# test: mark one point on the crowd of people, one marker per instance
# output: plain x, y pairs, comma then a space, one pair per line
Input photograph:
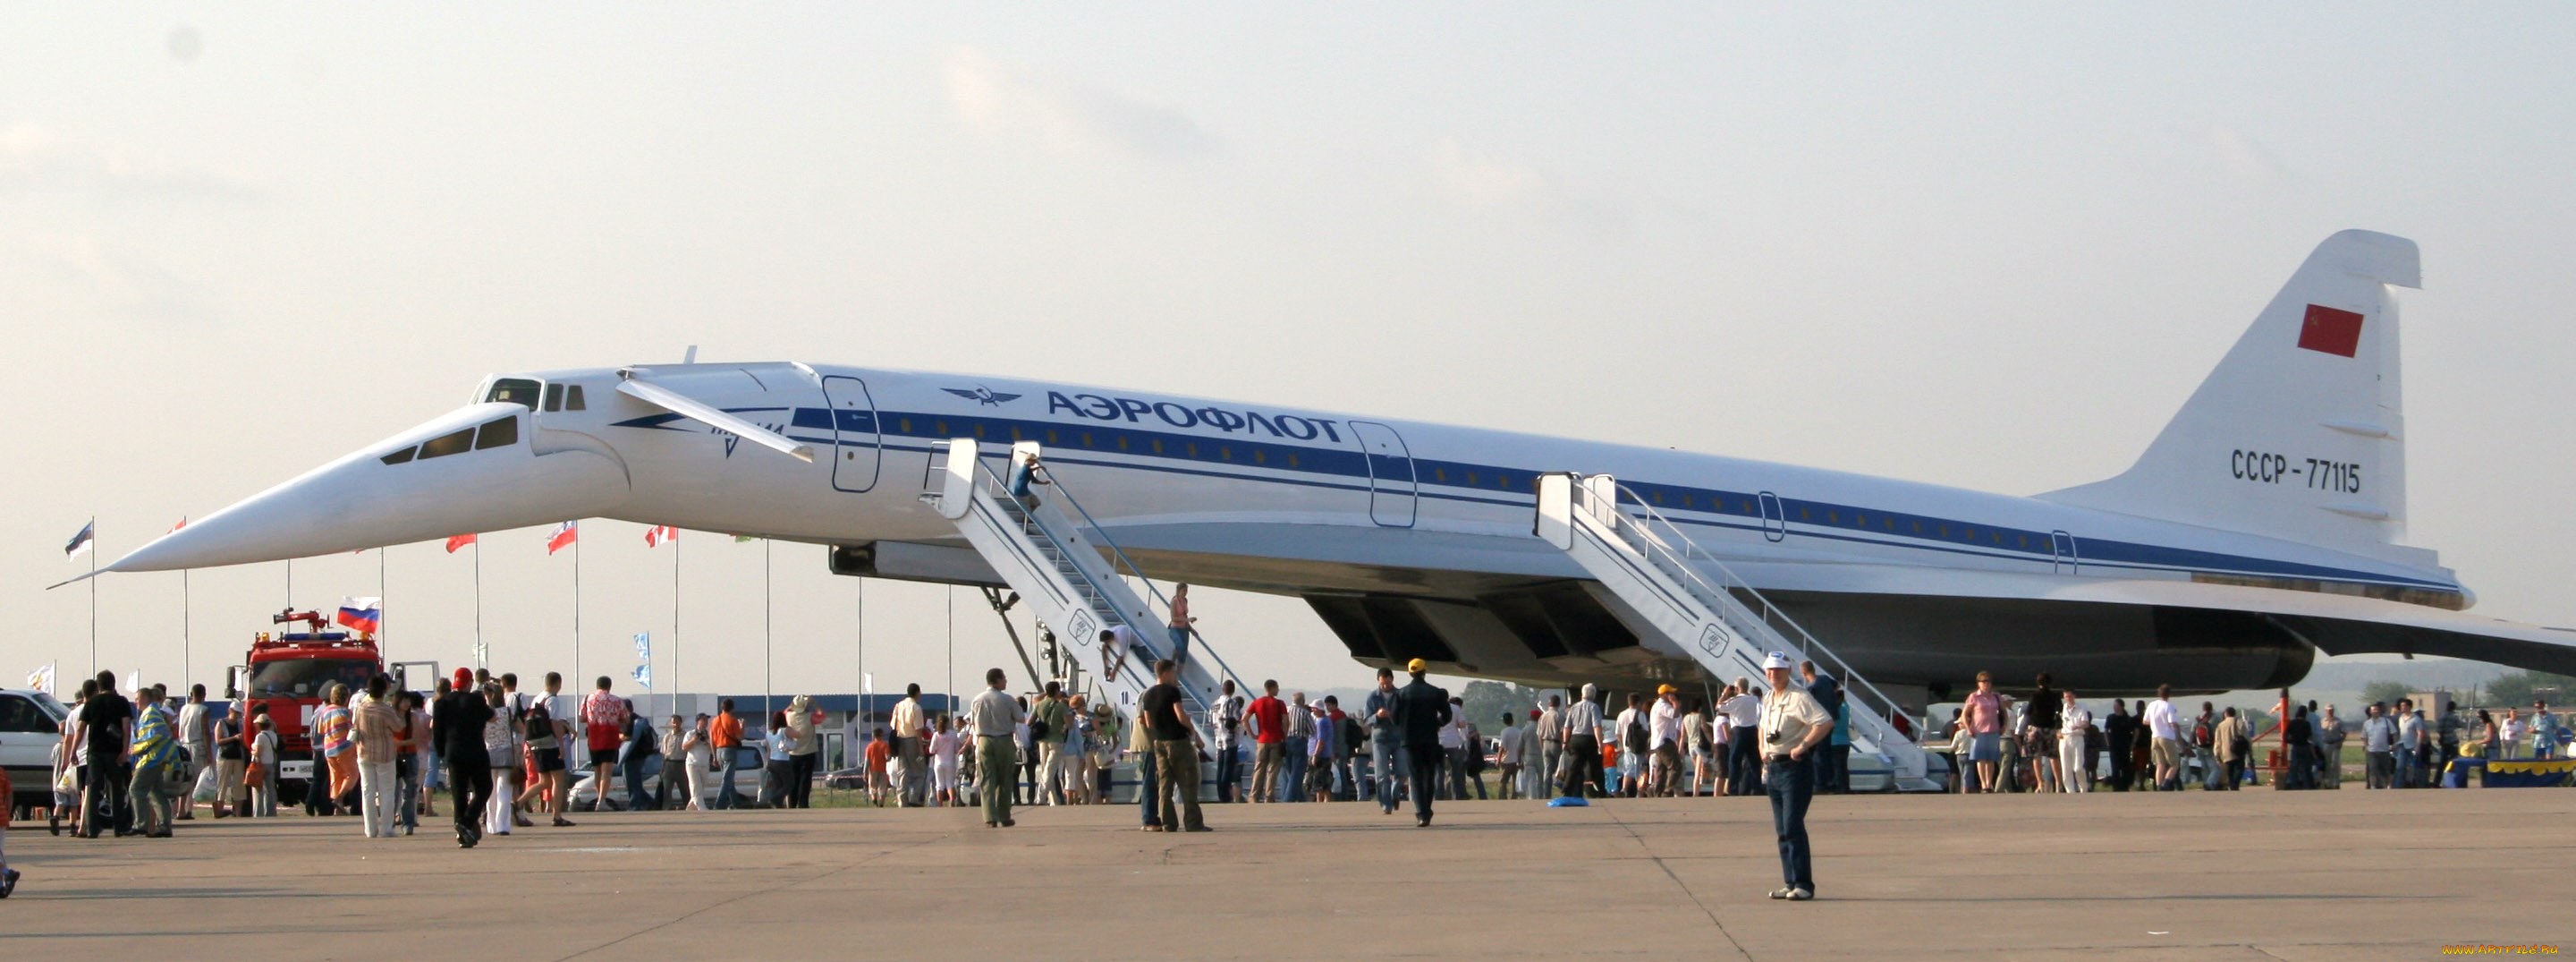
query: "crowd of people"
137, 766
2049, 743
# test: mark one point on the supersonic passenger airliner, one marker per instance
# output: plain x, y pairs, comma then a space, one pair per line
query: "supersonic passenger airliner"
2261, 527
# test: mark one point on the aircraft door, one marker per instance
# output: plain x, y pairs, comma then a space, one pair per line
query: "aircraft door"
1392, 485
1775, 526
2062, 545
856, 444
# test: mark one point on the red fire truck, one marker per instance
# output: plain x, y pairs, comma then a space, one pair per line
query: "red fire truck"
289, 673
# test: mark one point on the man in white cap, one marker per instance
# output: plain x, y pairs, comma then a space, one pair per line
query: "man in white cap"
1792, 724
1580, 732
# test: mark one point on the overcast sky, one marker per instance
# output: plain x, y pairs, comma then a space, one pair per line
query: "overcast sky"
1993, 249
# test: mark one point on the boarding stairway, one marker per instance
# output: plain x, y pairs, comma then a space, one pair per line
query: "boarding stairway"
1069, 570
1703, 611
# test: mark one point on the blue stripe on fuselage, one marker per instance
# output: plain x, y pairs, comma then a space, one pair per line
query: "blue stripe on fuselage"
1514, 487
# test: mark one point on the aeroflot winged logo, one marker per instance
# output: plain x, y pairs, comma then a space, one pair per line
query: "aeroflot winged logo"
982, 395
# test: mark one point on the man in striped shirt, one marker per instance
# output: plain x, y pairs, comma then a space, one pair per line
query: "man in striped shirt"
155, 749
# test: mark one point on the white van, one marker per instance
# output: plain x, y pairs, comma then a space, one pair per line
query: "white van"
31, 723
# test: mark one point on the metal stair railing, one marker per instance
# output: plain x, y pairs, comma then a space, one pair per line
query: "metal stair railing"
1038, 527
1654, 536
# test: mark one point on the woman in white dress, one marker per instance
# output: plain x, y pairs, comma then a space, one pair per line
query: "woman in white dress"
944, 745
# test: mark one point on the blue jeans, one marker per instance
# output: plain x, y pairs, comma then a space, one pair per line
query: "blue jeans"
1292, 784
1149, 815
1791, 785
1390, 762
634, 768
1344, 786
726, 797
1229, 773
407, 778
1180, 645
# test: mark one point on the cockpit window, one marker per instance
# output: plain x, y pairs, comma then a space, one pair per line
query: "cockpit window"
572, 399
515, 390
453, 442
501, 433
401, 456
554, 397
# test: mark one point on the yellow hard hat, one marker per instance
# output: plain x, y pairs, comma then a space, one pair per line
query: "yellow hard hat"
1417, 666
1665, 689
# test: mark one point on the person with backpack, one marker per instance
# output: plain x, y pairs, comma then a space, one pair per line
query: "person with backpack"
501, 748
2234, 745
101, 727
643, 750
1633, 744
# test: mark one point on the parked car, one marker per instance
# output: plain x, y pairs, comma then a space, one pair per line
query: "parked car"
31, 722
746, 781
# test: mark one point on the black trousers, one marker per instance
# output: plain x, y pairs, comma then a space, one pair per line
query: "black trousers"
469, 789
1744, 777
1582, 765
110, 808
800, 791
1427, 761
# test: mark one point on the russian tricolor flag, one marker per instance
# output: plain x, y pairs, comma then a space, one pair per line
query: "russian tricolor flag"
564, 536
362, 614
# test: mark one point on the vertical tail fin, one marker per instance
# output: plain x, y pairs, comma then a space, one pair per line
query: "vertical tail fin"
2298, 434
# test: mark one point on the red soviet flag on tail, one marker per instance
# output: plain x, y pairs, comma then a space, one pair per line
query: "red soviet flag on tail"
2331, 331
655, 535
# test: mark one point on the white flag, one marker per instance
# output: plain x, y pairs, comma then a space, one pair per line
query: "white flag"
42, 679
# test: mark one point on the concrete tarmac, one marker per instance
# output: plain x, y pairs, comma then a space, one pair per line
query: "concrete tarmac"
2206, 876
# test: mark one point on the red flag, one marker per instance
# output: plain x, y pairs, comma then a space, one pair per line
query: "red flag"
459, 541
654, 536
183, 522
564, 535
2330, 331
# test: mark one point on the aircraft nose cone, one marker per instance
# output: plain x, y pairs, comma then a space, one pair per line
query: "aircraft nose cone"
474, 469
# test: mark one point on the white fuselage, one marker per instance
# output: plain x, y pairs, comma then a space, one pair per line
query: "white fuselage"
1914, 584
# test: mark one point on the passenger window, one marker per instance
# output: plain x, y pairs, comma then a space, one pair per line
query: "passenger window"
554, 397
446, 444
572, 399
401, 456
515, 390
498, 434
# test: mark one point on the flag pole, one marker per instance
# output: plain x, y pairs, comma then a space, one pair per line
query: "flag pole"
381, 647
482, 655
576, 606
187, 643
767, 697
675, 604
93, 598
